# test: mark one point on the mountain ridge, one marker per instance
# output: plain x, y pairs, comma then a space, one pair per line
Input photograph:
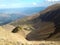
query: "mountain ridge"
42, 25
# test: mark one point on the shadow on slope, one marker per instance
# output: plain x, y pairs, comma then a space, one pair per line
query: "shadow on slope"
47, 25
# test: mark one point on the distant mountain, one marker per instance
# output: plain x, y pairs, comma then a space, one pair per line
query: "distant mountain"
7, 18
26, 10
8, 15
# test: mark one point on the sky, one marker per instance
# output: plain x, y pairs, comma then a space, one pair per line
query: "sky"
25, 3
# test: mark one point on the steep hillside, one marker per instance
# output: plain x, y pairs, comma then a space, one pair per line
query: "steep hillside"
44, 24
47, 24
40, 29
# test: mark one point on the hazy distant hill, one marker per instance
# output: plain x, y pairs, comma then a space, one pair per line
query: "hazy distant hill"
8, 15
26, 10
7, 18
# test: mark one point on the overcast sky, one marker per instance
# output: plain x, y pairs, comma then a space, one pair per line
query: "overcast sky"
25, 3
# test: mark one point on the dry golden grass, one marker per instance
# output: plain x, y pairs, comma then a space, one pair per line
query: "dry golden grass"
8, 38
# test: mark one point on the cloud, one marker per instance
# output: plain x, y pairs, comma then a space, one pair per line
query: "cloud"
3, 5
15, 5
34, 3
52, 0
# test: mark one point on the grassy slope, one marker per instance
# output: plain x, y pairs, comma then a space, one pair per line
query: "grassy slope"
19, 21
8, 38
55, 40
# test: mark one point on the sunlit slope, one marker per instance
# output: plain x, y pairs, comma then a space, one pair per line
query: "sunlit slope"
9, 38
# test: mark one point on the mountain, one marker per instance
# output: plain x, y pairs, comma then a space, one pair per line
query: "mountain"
25, 10
11, 14
47, 23
7, 18
42, 25
41, 28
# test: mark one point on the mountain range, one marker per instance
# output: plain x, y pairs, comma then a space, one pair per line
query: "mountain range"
43, 24
40, 28
9, 15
